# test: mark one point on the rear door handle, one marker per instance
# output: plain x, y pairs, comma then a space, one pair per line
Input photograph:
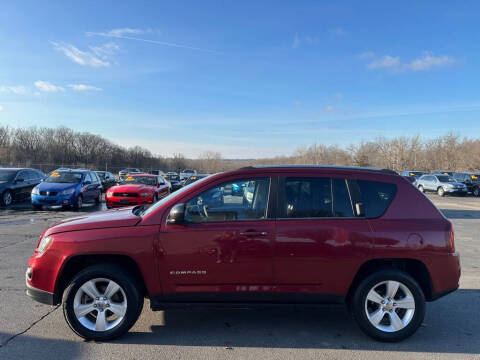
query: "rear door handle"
253, 233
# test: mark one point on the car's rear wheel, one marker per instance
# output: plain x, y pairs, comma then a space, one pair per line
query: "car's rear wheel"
102, 302
440, 191
420, 187
98, 200
7, 198
389, 305
476, 191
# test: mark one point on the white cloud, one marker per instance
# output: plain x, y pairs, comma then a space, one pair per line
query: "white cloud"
426, 61
85, 58
18, 90
105, 51
119, 32
1, 108
83, 87
385, 62
45, 86
328, 108
338, 31
299, 40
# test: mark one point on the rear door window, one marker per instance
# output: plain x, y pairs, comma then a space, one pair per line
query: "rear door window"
342, 205
305, 197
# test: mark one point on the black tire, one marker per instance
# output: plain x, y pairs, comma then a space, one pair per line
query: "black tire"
359, 307
155, 199
440, 191
7, 198
79, 203
476, 191
112, 272
98, 200
37, 207
421, 189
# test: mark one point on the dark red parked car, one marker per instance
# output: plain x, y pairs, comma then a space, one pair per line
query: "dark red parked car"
295, 235
137, 189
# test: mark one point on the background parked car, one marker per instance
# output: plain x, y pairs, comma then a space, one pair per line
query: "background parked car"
107, 178
157, 172
174, 180
123, 173
441, 184
137, 189
443, 172
67, 188
185, 174
16, 184
412, 173
194, 178
471, 180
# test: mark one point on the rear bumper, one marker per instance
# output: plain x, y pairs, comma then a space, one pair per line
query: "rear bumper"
41, 296
445, 272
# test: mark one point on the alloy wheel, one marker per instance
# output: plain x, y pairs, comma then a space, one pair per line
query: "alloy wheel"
7, 198
100, 304
390, 306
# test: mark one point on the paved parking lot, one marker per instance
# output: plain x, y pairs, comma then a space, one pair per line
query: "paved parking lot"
30, 330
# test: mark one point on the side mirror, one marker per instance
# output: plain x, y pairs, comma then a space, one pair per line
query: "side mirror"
177, 214
359, 209
18, 180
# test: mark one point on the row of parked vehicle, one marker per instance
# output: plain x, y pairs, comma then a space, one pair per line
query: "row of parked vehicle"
445, 182
73, 187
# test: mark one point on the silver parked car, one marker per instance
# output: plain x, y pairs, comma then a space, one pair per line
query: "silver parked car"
441, 184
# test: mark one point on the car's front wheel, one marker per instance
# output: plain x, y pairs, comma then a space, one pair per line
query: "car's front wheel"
441, 191
420, 187
102, 302
389, 305
476, 191
7, 198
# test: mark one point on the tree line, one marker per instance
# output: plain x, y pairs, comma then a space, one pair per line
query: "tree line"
50, 148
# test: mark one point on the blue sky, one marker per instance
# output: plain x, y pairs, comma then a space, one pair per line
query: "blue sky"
246, 78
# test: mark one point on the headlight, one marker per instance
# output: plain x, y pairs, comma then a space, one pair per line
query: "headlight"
45, 243
68, 192
35, 191
449, 186
109, 193
144, 194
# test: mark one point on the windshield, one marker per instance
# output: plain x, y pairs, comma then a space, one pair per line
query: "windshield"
169, 197
188, 171
146, 180
416, 173
445, 179
7, 175
173, 177
66, 177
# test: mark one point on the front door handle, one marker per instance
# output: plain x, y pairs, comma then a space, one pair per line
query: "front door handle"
253, 233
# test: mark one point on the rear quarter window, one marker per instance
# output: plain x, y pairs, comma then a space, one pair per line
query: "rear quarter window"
375, 196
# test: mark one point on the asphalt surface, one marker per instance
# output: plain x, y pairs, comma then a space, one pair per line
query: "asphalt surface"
28, 330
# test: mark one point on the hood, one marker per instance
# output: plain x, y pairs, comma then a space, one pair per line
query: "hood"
454, 183
131, 188
46, 186
99, 220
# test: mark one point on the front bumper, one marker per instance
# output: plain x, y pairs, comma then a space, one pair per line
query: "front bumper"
41, 296
115, 201
53, 200
456, 190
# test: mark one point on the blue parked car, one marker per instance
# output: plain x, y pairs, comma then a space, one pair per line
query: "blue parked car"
67, 188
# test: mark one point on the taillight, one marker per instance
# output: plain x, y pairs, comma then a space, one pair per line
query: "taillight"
451, 242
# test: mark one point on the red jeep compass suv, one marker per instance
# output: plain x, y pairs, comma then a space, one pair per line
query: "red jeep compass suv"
258, 235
